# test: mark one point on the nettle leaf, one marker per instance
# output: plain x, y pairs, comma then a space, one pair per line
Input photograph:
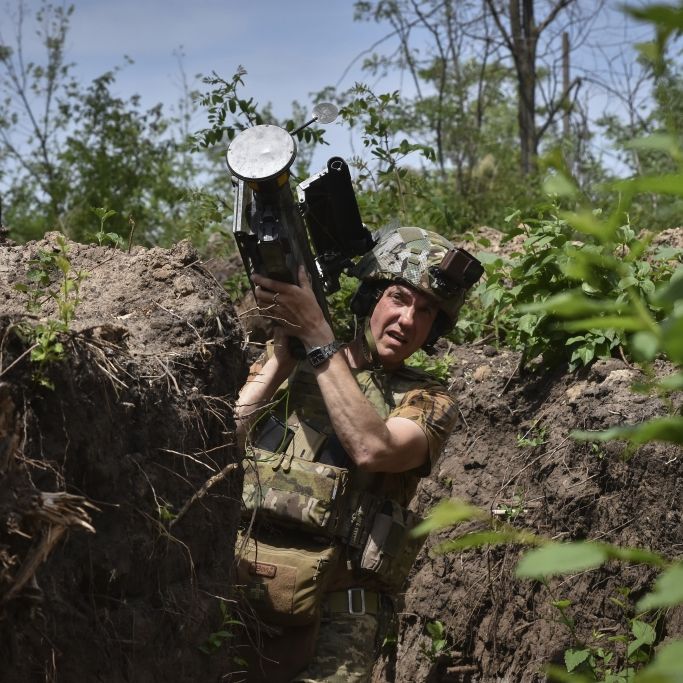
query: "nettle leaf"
574, 658
667, 592
672, 338
447, 513
648, 287
528, 323
661, 184
667, 665
479, 539
587, 222
669, 429
572, 303
634, 555
435, 629
672, 292
605, 322
629, 281
487, 258
667, 254
556, 559
644, 345
644, 635
62, 263
585, 354
559, 184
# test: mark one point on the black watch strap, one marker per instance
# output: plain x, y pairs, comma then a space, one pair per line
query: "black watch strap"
319, 354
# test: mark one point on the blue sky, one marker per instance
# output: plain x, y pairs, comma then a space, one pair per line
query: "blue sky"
290, 49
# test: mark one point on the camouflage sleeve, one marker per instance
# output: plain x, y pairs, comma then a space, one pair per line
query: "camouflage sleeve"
435, 411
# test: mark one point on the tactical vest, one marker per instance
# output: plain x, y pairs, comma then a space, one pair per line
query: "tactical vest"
298, 477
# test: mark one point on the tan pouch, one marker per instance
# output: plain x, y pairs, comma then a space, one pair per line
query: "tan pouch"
285, 585
390, 551
293, 491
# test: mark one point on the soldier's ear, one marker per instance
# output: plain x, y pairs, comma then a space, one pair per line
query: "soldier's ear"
365, 298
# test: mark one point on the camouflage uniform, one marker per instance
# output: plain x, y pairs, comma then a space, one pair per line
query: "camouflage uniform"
342, 646
344, 637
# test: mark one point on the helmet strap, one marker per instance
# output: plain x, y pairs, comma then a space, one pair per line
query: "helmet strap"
369, 346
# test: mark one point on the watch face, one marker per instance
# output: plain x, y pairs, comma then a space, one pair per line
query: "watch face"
318, 355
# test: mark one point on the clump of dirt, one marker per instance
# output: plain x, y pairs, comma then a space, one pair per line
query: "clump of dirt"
512, 455
119, 484
119, 489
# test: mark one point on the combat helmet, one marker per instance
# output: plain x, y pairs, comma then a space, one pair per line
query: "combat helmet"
423, 260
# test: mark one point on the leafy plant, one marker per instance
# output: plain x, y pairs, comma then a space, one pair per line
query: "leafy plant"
438, 640
228, 113
218, 638
439, 365
103, 237
608, 658
523, 293
551, 558
63, 290
533, 437
387, 183
237, 285
339, 303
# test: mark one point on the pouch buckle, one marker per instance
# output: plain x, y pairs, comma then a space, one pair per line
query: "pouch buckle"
361, 592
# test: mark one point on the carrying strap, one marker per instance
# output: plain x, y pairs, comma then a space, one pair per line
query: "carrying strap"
370, 346
355, 601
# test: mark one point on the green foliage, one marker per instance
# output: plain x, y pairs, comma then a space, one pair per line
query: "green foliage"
595, 660
103, 237
217, 639
534, 437
228, 113
563, 270
387, 184
608, 658
50, 277
122, 157
439, 365
438, 640
237, 286
339, 304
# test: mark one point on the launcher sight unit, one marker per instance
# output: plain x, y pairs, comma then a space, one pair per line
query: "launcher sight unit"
275, 233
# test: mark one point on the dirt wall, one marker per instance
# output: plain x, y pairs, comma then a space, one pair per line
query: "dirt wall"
118, 481
512, 455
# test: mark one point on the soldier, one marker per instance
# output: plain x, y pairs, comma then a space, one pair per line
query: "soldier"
340, 441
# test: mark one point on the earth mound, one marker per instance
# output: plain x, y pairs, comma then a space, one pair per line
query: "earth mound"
119, 483
513, 456
120, 489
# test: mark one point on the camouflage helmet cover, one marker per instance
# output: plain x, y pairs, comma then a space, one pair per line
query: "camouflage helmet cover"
408, 254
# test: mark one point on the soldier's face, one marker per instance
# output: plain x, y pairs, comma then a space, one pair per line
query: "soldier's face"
400, 323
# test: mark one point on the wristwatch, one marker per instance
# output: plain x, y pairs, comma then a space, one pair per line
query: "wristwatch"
319, 354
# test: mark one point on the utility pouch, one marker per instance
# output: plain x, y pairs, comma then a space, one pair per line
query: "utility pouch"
294, 492
390, 551
285, 585
273, 435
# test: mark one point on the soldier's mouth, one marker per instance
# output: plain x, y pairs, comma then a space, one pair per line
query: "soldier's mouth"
396, 336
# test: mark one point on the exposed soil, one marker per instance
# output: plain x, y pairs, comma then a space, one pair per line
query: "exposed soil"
138, 425
505, 629
139, 422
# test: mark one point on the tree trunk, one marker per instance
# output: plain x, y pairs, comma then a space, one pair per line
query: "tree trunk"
524, 40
